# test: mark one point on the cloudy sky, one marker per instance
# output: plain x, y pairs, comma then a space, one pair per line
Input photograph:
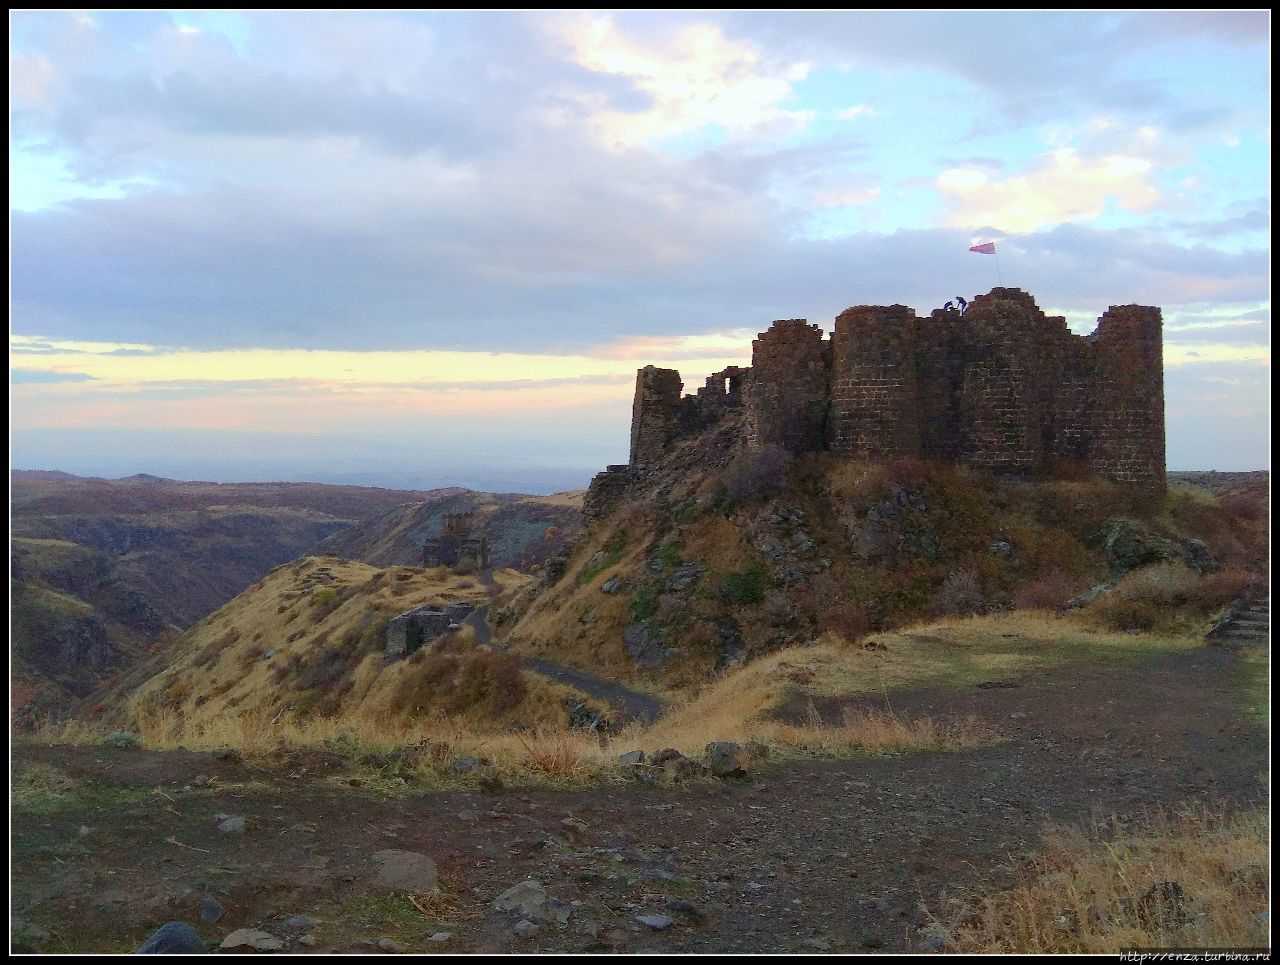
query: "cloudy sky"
428, 249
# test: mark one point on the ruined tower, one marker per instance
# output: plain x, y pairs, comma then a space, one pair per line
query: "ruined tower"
1002, 387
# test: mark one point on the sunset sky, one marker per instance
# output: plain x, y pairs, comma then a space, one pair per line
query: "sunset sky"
424, 250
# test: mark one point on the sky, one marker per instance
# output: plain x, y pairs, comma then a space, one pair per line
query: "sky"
432, 249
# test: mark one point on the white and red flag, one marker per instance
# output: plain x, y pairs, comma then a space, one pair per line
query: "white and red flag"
987, 248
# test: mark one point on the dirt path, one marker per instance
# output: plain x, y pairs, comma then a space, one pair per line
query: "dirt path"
819, 855
628, 704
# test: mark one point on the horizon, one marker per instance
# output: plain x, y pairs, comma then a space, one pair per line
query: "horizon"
430, 246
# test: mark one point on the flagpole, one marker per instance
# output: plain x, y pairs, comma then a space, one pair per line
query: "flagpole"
999, 276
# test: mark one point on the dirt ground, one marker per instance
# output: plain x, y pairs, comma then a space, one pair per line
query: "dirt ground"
820, 855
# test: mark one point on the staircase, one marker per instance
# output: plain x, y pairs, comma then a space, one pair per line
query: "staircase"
1248, 622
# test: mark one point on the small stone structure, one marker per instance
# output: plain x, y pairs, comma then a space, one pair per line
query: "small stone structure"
414, 628
1002, 387
457, 546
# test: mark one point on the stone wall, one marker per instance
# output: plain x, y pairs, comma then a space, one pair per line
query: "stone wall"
789, 390
1002, 387
655, 414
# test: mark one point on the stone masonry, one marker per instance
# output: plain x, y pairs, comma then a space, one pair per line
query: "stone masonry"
1002, 387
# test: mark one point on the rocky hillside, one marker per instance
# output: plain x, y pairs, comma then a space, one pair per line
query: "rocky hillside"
523, 531
715, 555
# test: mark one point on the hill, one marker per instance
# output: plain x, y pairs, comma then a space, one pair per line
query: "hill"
523, 531
309, 641
717, 554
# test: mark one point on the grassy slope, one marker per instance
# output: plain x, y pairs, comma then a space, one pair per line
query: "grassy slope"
308, 640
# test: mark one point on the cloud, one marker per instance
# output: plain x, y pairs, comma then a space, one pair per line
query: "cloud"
693, 79
38, 377
1058, 187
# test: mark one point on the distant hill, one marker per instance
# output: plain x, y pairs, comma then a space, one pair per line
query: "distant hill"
103, 570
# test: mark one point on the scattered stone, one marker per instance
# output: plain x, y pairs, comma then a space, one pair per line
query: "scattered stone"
307, 941
682, 906
405, 871
301, 922
465, 765
252, 938
227, 754
84, 831
727, 759
211, 910
656, 922
821, 944
231, 824
390, 947
631, 758
525, 928
674, 766
173, 938
612, 585
529, 898
440, 936
588, 928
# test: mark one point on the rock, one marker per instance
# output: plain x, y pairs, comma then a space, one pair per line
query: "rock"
821, 944
307, 941
231, 824
656, 922
612, 585
1002, 548
583, 717
727, 759
440, 936
390, 947
211, 910
631, 758
685, 576
529, 898
301, 922
756, 751
173, 938
645, 645
252, 938
405, 871
673, 766
1130, 545
525, 928
26, 937
465, 765
682, 906
1197, 556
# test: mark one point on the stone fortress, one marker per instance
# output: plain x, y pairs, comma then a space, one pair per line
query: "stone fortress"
1000, 387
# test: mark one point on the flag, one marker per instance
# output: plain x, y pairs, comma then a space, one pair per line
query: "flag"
988, 248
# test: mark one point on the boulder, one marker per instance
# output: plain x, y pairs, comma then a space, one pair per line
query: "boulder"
173, 938
260, 941
404, 871
727, 759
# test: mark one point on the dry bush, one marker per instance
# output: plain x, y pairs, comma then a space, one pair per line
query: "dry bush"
1168, 597
1048, 591
848, 621
1197, 880
453, 679
959, 595
560, 755
882, 732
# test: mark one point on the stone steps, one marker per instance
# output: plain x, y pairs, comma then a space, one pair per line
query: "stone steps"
1249, 624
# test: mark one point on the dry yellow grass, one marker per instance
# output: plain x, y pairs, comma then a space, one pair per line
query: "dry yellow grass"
1196, 880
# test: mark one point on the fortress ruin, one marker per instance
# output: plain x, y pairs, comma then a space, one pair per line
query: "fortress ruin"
457, 546
1001, 387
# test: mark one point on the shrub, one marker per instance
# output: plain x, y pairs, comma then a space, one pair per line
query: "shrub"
847, 621
455, 679
960, 594
644, 599
1048, 591
122, 738
743, 587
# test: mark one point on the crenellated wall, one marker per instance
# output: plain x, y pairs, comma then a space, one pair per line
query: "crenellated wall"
1002, 387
